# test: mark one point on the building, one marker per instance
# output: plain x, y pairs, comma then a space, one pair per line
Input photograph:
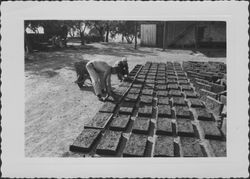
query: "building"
184, 34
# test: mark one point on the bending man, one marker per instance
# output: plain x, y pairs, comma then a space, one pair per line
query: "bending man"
100, 74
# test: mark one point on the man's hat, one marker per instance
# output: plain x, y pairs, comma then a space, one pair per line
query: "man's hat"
124, 59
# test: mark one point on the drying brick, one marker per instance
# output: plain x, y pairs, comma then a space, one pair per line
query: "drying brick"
190, 147
135, 146
85, 141
109, 143
99, 121
164, 146
141, 125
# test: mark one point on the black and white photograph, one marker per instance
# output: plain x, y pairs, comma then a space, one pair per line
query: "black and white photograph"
159, 88
125, 88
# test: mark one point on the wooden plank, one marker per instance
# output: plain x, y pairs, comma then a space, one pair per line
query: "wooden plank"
135, 146
204, 93
200, 86
85, 141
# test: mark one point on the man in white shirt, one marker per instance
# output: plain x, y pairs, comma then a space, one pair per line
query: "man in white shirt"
100, 74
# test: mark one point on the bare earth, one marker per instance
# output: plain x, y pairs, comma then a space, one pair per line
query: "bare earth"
56, 109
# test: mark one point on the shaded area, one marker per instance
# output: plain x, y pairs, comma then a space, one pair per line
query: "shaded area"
219, 53
42, 63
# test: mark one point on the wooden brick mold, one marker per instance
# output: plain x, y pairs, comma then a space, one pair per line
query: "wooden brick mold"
204, 94
214, 105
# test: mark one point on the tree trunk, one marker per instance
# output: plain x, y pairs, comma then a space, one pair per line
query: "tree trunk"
122, 38
135, 35
107, 34
28, 45
164, 36
128, 40
100, 30
82, 38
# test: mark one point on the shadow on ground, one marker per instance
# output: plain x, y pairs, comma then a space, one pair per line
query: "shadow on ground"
47, 62
212, 53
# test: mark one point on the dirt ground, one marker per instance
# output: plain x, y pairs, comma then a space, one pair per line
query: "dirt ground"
56, 109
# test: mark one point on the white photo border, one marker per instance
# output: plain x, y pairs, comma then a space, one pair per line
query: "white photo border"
14, 163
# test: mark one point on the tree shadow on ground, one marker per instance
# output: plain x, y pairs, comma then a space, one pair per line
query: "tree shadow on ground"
46, 63
114, 49
212, 53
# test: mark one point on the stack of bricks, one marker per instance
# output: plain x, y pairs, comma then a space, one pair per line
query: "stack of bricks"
158, 115
203, 75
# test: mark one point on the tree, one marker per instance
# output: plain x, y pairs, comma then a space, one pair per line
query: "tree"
127, 30
100, 26
80, 26
54, 30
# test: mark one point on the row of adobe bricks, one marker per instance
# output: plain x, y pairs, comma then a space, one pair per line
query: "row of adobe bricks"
183, 126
